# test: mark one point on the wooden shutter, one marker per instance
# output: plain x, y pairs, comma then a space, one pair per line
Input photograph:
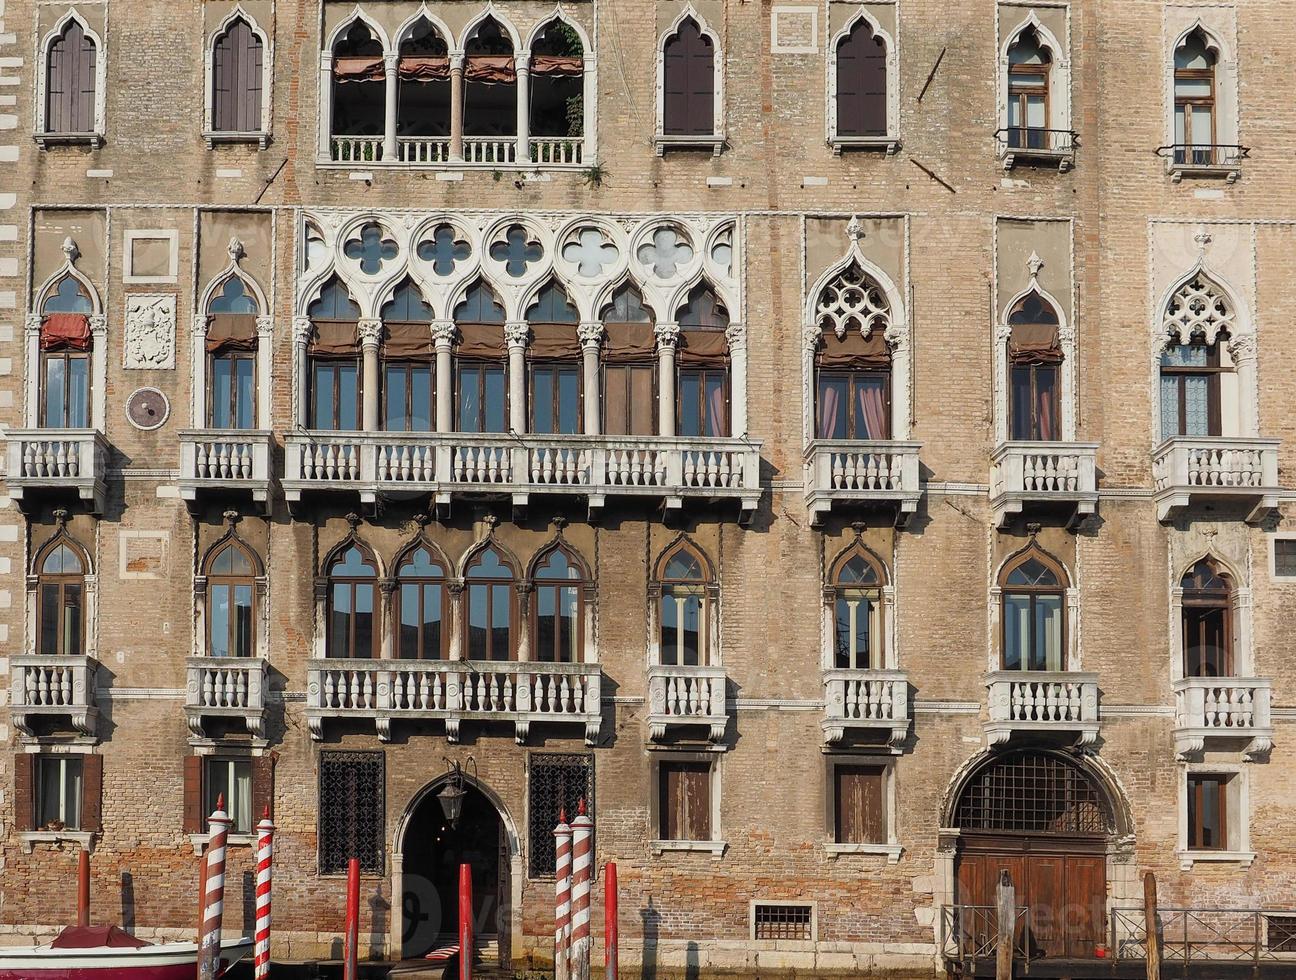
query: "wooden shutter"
70, 83
92, 793
263, 786
861, 818
861, 84
688, 83
56, 87
222, 83
236, 80
193, 802
686, 800
24, 791
83, 107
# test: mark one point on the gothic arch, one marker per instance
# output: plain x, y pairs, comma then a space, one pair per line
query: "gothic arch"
1059, 75
68, 270
421, 540
490, 12
683, 542
516, 565
234, 270
334, 554
862, 16
423, 13
62, 537
858, 547
100, 70
1024, 554
717, 67
559, 14
559, 543
358, 15
231, 538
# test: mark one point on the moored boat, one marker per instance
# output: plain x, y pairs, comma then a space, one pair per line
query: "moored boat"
108, 953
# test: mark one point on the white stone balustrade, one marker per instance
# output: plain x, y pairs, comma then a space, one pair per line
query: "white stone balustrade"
866, 699
1222, 709
57, 460
226, 459
488, 149
1197, 468
862, 472
424, 149
43, 687
452, 691
557, 152
687, 696
357, 149
1064, 702
1047, 474
226, 687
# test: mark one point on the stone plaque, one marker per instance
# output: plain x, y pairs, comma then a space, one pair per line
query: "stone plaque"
150, 331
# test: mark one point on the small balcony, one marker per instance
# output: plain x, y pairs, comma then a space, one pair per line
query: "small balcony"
224, 461
851, 473
452, 691
1219, 710
681, 697
1037, 146
47, 691
866, 700
226, 688
58, 461
1208, 161
517, 466
1044, 476
1188, 470
1056, 702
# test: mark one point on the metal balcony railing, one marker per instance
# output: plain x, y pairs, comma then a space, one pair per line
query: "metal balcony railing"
1037, 144
1203, 160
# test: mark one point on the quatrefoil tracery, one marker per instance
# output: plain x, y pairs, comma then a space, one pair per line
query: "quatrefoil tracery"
372, 249
852, 299
1198, 308
444, 250
517, 251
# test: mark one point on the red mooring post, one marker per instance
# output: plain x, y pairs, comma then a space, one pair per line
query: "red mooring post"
612, 939
83, 888
351, 944
465, 922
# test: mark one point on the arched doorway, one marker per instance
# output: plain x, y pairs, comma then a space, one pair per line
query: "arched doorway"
1044, 819
430, 853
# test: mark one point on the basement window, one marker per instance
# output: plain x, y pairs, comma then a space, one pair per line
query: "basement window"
1280, 936
780, 920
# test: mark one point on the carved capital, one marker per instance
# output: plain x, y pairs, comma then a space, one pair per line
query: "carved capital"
896, 337
34, 322
265, 326
667, 335
303, 327
517, 332
443, 333
811, 334
590, 333
1243, 348
736, 336
370, 333
200, 323
99, 323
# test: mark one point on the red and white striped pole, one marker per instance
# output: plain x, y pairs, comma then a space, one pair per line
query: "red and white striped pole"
265, 860
612, 937
351, 942
465, 922
209, 944
582, 869
562, 897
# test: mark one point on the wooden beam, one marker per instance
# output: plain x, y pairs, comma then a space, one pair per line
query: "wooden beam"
1007, 920
1150, 926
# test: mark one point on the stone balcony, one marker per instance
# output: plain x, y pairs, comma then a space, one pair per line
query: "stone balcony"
1216, 711
1188, 470
866, 700
848, 472
1035, 702
685, 697
454, 691
1044, 476
670, 469
226, 688
57, 462
224, 461
47, 692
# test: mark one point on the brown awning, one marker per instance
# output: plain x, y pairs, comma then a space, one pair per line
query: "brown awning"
350, 69
854, 350
702, 348
65, 331
629, 343
423, 69
566, 65
554, 342
482, 340
229, 332
334, 338
408, 342
1035, 343
490, 68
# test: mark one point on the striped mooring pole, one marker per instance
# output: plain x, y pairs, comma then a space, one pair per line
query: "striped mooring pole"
582, 871
611, 930
562, 897
265, 861
351, 940
209, 943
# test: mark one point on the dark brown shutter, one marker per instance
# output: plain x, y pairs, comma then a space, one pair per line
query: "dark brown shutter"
860, 801
83, 109
688, 85
70, 83
861, 84
24, 791
686, 800
57, 95
263, 786
236, 80
92, 793
193, 803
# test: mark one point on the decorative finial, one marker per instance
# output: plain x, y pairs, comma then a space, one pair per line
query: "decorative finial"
231, 517
1034, 264
236, 249
580, 810
559, 522
1202, 238
855, 230
353, 521
61, 517
491, 522
220, 801
562, 814
1033, 529
422, 519
858, 527
70, 250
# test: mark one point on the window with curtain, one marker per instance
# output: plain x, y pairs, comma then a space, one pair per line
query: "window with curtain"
231, 357
490, 607
857, 614
861, 82
421, 613
558, 608
1207, 621
230, 780
58, 792
70, 80
1034, 360
629, 366
352, 593
237, 68
335, 381
688, 82
702, 365
1195, 113
408, 362
481, 375
1190, 390
1033, 607
490, 83
1029, 63
557, 82
554, 363
60, 601
359, 85
423, 93
1208, 812
231, 603
853, 362
684, 609
65, 349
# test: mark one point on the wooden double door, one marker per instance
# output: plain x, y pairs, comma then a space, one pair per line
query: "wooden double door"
1062, 881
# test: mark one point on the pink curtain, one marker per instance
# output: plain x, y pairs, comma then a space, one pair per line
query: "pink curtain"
1044, 398
719, 424
828, 399
872, 409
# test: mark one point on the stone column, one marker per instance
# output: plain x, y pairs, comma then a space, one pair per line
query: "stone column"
522, 61
390, 63
736, 335
456, 106
443, 334
98, 371
198, 371
1243, 351
385, 618
264, 370
524, 622
302, 330
31, 336
455, 592
589, 124
591, 341
667, 340
326, 105
370, 332
516, 333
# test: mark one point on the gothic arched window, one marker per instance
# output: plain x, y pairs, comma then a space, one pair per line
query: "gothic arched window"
481, 381
1029, 64
558, 609
1195, 110
688, 82
335, 382
231, 602
1207, 620
65, 349
1033, 606
1034, 361
685, 609
554, 362
408, 362
421, 610
60, 599
352, 606
71, 75
237, 77
491, 611
629, 365
702, 362
861, 82
853, 363
856, 584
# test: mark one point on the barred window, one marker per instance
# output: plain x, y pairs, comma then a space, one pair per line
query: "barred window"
1033, 792
783, 922
1281, 936
555, 782
351, 794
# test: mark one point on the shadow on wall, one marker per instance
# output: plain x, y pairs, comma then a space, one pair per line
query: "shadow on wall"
651, 931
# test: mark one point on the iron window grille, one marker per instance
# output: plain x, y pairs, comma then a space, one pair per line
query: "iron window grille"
351, 804
1033, 792
1281, 934
555, 782
783, 922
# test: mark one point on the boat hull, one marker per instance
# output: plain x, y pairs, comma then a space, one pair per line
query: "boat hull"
170, 961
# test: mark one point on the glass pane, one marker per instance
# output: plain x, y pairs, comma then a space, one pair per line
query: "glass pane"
431, 623
1169, 406
72, 619
1179, 124
218, 786
409, 621
55, 389
323, 377
240, 805
242, 621
568, 401
833, 403
546, 613
218, 629
494, 399
1015, 118
395, 419
669, 628
1045, 398
245, 413
500, 609
1016, 611
78, 393
569, 625
1186, 355
1196, 405
616, 418
871, 421
1193, 88
222, 385
1035, 111
421, 398
691, 626
478, 598
470, 400
72, 793
542, 399
348, 392
1202, 128
339, 640
49, 619
1021, 403
690, 403
364, 615
1046, 652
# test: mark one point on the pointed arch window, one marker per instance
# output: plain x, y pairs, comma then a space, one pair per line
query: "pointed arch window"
1195, 112
861, 82
231, 602
1033, 607
688, 82
359, 87
71, 76
409, 362
702, 361
1029, 64
422, 630
231, 357
1034, 360
629, 365
857, 613
481, 383
352, 584
557, 82
65, 353
237, 78
423, 72
685, 609
1207, 620
559, 608
335, 382
491, 607
60, 599
490, 83
554, 363
853, 364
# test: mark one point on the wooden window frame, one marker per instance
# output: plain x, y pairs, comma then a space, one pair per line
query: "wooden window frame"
703, 372
579, 585
557, 364
463, 365
1034, 592
233, 400
231, 760
1205, 600
231, 582
654, 415
408, 367
1055, 400
853, 377
352, 582
1188, 102
1022, 97
214, 132
318, 362
62, 760
489, 583
833, 764
62, 580
1195, 793
665, 587
421, 582
1212, 371
67, 357
660, 801
877, 639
